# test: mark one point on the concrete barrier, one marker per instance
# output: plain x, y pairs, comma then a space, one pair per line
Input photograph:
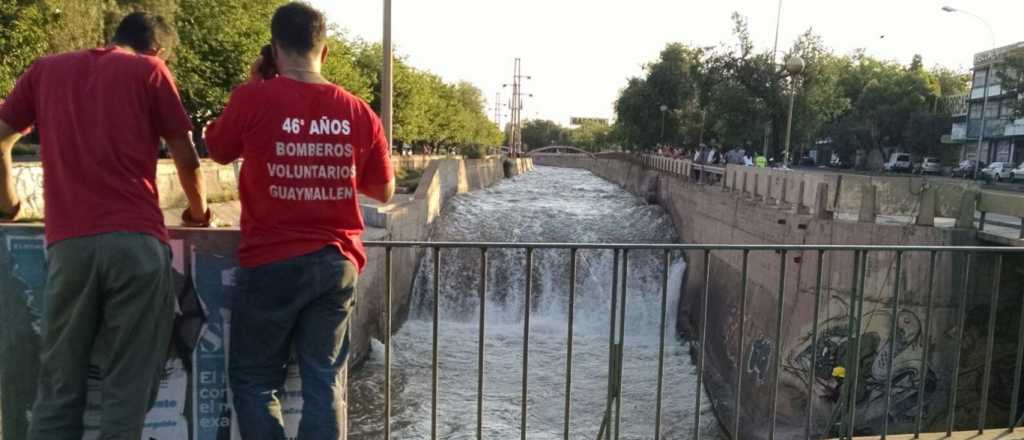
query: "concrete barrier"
204, 267
221, 182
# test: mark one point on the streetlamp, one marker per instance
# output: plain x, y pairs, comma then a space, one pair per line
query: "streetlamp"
387, 76
988, 77
663, 108
794, 66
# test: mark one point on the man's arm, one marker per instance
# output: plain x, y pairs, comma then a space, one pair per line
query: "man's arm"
9, 201
380, 193
376, 178
186, 160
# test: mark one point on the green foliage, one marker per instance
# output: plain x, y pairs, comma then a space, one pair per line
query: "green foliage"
23, 38
731, 94
540, 133
591, 136
219, 41
1011, 76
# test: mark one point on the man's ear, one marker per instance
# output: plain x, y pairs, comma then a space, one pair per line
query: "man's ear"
323, 54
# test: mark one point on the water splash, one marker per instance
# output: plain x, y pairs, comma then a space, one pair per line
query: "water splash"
548, 205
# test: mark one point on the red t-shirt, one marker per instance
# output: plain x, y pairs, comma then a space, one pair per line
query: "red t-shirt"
307, 149
100, 114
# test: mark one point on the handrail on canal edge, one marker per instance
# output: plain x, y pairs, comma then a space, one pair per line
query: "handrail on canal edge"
609, 429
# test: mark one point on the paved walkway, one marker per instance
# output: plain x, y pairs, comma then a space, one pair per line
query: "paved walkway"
991, 434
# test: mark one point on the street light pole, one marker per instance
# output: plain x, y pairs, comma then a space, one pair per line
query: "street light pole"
988, 77
387, 77
794, 66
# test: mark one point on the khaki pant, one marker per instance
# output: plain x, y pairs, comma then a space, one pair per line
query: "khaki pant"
108, 295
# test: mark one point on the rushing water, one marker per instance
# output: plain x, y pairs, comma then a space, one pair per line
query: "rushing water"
547, 205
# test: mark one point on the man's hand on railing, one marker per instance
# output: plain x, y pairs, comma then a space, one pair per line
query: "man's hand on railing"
189, 221
12, 216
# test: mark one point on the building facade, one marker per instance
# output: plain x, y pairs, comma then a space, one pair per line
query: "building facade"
1003, 140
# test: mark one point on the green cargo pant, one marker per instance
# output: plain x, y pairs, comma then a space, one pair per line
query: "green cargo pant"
108, 295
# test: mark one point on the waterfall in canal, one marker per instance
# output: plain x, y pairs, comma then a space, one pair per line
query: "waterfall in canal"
549, 205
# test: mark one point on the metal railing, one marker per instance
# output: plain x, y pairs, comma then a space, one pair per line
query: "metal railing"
842, 424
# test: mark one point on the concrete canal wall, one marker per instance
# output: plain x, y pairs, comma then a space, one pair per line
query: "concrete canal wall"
221, 182
717, 214
193, 399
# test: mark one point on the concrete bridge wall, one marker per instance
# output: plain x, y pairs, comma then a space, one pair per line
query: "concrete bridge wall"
221, 182
205, 263
707, 214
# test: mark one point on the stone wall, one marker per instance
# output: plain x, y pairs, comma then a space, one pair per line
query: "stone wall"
714, 214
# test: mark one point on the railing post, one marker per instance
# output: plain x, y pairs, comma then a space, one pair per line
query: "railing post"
434, 355
800, 208
387, 343
480, 347
821, 193
867, 204
527, 300
926, 210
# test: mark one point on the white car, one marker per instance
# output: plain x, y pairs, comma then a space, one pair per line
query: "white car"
1017, 173
929, 165
998, 171
898, 162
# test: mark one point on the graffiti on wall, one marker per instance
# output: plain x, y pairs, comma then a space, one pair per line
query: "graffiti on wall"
873, 364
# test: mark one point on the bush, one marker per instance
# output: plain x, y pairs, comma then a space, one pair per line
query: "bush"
474, 152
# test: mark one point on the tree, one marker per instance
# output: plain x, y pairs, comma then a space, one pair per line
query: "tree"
540, 133
1011, 76
23, 38
670, 81
219, 39
592, 136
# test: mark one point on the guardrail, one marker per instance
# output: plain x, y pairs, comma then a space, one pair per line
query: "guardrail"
811, 423
845, 425
920, 198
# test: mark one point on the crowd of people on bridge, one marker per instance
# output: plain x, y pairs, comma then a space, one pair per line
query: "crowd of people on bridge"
716, 155
101, 114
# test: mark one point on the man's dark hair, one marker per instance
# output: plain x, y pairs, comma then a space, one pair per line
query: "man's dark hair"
143, 32
298, 28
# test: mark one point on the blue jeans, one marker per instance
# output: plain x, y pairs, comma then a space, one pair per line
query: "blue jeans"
303, 302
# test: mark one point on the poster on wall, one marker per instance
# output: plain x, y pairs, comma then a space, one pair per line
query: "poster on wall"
214, 278
28, 260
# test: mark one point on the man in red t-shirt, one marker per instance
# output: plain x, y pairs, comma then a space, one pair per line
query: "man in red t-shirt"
100, 115
308, 147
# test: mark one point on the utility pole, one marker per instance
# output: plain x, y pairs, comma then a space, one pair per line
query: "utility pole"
387, 77
515, 139
497, 109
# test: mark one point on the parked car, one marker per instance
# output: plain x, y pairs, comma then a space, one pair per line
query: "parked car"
997, 171
898, 163
965, 169
928, 165
1017, 173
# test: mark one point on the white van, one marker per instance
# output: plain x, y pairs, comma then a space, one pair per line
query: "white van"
898, 163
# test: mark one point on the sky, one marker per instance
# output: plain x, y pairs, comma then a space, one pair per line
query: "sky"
580, 53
